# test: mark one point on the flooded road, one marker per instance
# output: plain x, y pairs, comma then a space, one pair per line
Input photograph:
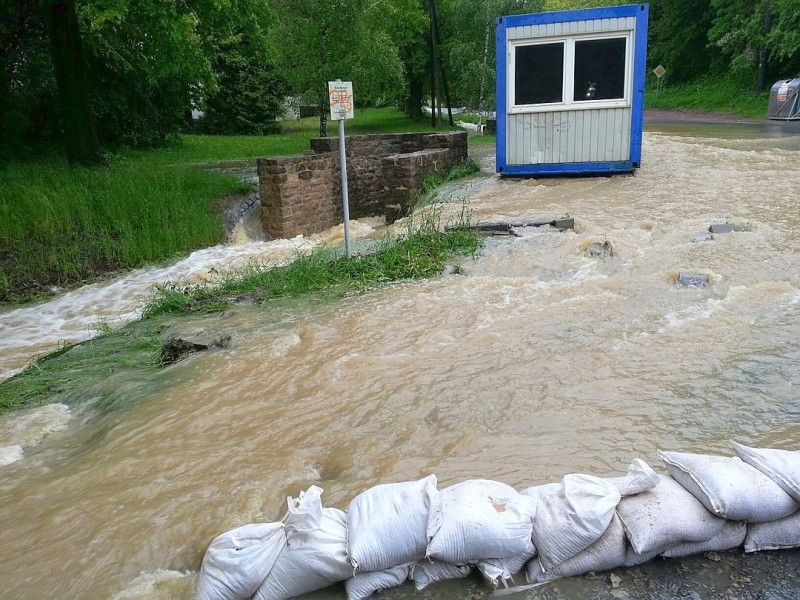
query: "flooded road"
535, 360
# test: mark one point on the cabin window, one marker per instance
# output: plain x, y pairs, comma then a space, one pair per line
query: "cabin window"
570, 73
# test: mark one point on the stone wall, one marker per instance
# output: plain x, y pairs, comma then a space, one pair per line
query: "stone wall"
303, 194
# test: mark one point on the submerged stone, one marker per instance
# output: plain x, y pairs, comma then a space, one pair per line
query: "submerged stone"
721, 228
693, 280
600, 250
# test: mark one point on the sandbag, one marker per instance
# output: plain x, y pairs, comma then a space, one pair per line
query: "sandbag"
238, 561
388, 524
315, 555
498, 571
777, 535
782, 466
639, 478
364, 584
608, 552
729, 537
426, 572
482, 519
729, 487
665, 516
570, 516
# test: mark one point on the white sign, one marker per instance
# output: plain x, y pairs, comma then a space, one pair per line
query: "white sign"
659, 71
340, 94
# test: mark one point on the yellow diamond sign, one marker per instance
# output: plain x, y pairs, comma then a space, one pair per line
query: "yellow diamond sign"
659, 71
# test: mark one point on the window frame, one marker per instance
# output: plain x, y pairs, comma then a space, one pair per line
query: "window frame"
568, 75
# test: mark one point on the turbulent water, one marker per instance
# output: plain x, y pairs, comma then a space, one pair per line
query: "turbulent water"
534, 360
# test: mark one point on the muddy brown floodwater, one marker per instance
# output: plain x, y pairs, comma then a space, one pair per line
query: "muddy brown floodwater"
535, 360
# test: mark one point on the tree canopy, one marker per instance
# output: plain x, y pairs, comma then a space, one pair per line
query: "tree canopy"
147, 64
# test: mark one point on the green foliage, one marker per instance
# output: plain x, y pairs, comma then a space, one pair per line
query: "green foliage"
469, 46
58, 225
689, 54
249, 93
108, 367
727, 94
324, 40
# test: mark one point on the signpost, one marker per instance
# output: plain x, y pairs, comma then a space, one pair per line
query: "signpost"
659, 72
340, 94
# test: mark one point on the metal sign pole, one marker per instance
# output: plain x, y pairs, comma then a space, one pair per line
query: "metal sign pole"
345, 198
341, 100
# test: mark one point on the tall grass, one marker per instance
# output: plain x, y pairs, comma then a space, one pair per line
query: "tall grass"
59, 226
727, 94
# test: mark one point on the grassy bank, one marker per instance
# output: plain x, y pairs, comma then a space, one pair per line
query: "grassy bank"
60, 227
724, 94
120, 366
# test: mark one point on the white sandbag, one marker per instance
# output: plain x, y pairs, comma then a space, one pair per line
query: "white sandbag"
730, 536
364, 584
639, 478
426, 572
633, 558
782, 466
570, 516
482, 519
315, 555
729, 487
388, 524
238, 561
608, 552
498, 571
776, 535
665, 516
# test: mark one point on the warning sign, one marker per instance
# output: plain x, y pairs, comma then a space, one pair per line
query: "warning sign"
340, 94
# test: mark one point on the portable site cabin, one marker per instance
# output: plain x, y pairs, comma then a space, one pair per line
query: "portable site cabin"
570, 91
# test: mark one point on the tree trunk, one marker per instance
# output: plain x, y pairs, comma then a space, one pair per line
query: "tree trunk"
82, 146
323, 113
416, 91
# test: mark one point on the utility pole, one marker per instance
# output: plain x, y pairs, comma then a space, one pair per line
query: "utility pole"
438, 80
763, 55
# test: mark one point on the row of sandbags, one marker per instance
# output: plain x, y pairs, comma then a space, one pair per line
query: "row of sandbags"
397, 532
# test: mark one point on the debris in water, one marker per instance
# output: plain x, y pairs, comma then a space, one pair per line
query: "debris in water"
507, 227
176, 348
706, 237
600, 250
693, 280
721, 228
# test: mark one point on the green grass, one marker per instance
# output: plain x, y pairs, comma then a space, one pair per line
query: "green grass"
422, 252
120, 367
725, 94
60, 227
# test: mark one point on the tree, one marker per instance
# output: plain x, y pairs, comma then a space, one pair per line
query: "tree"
324, 40
679, 37
249, 92
469, 45
82, 146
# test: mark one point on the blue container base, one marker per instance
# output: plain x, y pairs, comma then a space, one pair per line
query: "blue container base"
572, 169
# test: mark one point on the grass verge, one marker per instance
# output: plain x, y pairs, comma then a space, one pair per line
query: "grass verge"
120, 366
60, 227
725, 94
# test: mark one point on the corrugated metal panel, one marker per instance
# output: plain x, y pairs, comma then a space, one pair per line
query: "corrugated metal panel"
571, 28
569, 136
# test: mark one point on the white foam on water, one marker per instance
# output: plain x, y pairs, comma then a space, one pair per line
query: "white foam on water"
27, 429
